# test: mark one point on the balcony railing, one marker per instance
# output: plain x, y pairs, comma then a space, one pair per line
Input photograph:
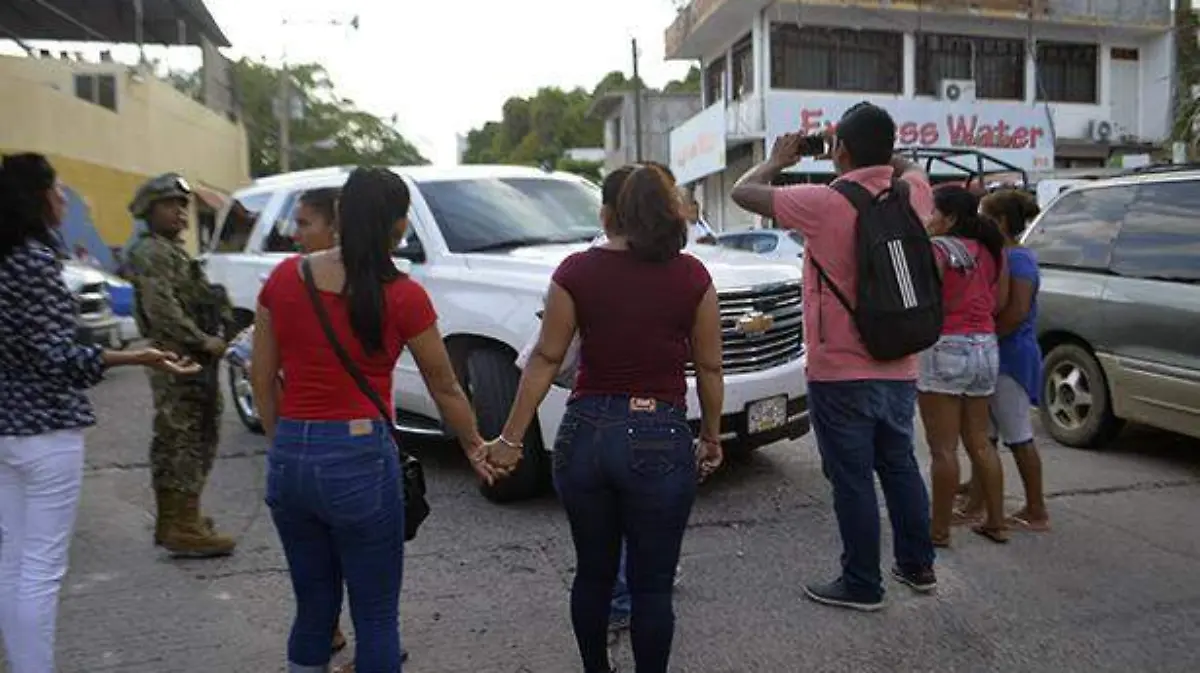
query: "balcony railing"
1116, 13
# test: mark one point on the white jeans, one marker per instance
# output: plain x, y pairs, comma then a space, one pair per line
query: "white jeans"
40, 479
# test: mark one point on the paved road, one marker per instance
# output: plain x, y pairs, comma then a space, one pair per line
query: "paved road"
1116, 587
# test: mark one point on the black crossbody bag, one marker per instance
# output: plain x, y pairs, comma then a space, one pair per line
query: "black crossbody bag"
412, 474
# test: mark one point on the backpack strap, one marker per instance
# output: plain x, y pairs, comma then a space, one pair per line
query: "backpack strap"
861, 199
856, 194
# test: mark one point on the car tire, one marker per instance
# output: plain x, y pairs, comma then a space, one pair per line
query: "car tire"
492, 379
243, 401
1070, 371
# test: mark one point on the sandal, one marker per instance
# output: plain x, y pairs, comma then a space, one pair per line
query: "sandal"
964, 518
997, 535
1021, 521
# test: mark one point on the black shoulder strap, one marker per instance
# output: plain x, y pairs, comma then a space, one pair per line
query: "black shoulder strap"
856, 194
352, 369
861, 199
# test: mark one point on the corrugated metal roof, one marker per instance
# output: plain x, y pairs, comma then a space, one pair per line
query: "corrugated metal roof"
164, 22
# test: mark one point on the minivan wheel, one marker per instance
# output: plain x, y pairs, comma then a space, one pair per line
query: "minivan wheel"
243, 398
492, 379
1076, 406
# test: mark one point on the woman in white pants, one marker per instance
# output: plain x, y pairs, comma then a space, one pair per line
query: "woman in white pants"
43, 410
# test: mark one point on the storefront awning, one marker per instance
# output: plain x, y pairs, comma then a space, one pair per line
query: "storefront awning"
163, 21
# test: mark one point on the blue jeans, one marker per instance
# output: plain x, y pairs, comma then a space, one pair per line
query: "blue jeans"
625, 472
622, 602
335, 496
865, 428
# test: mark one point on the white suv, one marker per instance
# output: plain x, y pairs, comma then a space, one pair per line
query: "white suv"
484, 241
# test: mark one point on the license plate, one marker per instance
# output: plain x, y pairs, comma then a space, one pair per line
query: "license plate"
766, 415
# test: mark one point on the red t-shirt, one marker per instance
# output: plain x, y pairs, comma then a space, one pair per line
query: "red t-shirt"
969, 296
317, 387
635, 321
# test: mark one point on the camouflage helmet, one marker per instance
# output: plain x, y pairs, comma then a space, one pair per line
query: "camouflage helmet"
160, 188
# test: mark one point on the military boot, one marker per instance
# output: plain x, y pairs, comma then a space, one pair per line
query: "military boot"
185, 536
161, 517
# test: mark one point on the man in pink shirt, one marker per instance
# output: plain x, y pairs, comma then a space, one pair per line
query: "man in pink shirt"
862, 409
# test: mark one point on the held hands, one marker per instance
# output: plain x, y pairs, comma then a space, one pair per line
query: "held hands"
495, 459
166, 361
709, 456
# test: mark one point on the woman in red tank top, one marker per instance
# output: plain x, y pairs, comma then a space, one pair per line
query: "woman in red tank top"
958, 374
333, 477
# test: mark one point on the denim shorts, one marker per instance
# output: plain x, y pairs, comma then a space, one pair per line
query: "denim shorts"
965, 365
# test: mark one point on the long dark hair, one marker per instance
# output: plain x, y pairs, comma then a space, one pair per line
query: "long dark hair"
25, 182
962, 206
1013, 209
372, 201
649, 217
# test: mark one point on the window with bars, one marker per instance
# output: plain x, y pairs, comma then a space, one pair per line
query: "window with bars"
1068, 73
836, 59
98, 89
714, 82
742, 71
997, 65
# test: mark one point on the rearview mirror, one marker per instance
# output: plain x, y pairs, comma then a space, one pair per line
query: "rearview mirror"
411, 249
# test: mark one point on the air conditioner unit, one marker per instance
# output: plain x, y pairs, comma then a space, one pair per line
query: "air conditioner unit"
957, 90
1100, 130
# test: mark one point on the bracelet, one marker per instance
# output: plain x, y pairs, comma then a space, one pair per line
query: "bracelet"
710, 441
510, 444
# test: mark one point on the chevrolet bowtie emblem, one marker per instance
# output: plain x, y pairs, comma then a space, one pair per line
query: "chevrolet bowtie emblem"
754, 323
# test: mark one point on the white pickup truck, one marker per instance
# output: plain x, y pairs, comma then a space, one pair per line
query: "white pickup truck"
484, 241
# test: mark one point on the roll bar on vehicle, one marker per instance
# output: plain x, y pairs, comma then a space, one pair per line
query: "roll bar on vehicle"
969, 164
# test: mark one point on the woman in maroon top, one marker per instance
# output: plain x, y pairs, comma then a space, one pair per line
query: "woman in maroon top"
625, 463
333, 472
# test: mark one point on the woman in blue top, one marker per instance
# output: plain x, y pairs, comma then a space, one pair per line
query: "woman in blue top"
1020, 357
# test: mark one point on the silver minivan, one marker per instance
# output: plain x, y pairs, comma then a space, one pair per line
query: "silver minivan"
1119, 306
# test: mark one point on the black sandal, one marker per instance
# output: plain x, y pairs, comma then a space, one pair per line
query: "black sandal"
997, 535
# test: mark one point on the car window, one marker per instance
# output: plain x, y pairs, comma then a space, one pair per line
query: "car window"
477, 215
240, 220
730, 241
763, 243
1160, 237
796, 237
1079, 229
283, 232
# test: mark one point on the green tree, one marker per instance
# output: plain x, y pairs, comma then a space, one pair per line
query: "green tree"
538, 130
330, 131
1187, 61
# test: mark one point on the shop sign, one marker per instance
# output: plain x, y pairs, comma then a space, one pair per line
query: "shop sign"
698, 146
1016, 133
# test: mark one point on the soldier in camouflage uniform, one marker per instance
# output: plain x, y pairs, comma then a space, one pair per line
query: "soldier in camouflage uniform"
178, 309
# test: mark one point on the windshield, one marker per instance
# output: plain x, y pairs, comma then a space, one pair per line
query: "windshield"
478, 215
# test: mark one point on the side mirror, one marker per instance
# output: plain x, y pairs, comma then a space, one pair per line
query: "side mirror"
411, 249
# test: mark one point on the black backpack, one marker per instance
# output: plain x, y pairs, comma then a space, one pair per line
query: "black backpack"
898, 310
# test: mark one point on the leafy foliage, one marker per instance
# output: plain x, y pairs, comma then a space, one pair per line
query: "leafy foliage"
329, 131
538, 130
1187, 59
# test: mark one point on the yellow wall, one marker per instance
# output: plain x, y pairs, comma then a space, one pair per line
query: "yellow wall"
104, 155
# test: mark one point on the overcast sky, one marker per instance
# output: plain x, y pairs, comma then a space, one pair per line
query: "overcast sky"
446, 66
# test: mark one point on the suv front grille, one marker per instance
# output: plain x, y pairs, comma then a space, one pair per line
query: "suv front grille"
751, 348
93, 299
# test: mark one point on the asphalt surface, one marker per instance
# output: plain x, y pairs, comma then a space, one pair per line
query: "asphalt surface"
1115, 586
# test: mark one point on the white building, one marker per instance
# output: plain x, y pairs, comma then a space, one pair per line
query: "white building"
1038, 83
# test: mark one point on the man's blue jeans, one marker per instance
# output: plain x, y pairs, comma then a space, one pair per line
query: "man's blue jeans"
624, 472
863, 429
335, 496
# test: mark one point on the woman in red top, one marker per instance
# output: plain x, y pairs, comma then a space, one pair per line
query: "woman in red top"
333, 481
958, 374
624, 460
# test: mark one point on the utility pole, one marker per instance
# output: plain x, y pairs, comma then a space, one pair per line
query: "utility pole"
637, 106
